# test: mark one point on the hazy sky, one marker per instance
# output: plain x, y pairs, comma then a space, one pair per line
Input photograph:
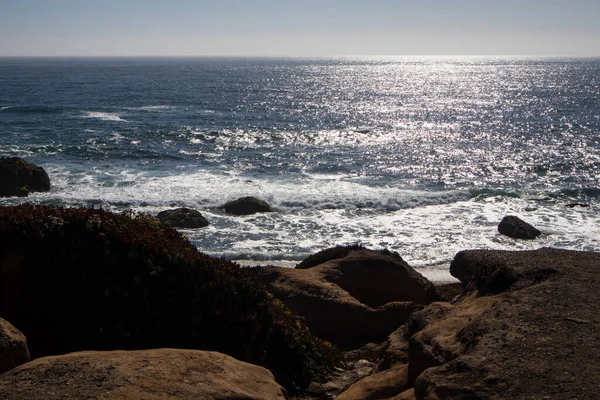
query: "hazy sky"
299, 27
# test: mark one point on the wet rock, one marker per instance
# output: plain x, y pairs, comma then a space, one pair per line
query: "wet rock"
183, 218
247, 206
573, 205
516, 228
19, 178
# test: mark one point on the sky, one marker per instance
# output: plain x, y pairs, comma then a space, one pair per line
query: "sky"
299, 27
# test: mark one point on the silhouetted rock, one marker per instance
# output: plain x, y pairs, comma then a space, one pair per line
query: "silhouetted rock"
247, 206
13, 347
183, 218
573, 205
359, 298
515, 227
19, 178
142, 374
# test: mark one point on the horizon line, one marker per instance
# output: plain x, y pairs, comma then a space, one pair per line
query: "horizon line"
297, 56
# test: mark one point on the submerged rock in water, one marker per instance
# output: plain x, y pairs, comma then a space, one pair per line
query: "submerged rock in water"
142, 374
515, 227
247, 206
19, 178
183, 218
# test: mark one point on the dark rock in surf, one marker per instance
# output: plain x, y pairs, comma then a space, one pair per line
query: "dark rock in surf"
573, 205
19, 178
183, 218
247, 206
515, 227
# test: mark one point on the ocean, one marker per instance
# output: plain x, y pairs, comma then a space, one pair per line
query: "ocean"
418, 155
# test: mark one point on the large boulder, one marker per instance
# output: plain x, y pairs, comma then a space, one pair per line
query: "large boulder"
247, 206
493, 272
13, 347
536, 337
144, 374
356, 299
182, 218
516, 228
19, 178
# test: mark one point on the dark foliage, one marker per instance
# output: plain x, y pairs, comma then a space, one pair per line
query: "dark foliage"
77, 279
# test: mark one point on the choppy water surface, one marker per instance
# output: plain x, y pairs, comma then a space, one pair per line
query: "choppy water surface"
419, 155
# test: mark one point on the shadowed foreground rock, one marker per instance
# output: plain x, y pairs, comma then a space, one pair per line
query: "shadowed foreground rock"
516, 228
360, 297
13, 347
147, 374
247, 206
19, 178
182, 218
528, 329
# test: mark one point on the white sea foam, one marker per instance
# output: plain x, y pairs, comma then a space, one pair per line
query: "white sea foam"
2, 108
157, 108
103, 116
426, 228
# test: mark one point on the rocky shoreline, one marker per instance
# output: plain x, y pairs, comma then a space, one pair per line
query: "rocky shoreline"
523, 327
123, 307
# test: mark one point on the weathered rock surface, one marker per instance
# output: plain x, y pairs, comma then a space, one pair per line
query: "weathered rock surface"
435, 332
516, 228
145, 374
13, 347
395, 350
359, 298
19, 178
407, 395
182, 218
528, 330
382, 385
247, 206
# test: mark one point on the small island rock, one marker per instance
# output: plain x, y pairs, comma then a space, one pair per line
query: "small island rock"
247, 206
183, 218
19, 178
515, 227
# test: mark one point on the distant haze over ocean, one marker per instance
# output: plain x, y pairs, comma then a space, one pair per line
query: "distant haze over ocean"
420, 155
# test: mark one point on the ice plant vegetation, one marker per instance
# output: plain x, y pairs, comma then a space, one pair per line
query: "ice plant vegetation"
79, 279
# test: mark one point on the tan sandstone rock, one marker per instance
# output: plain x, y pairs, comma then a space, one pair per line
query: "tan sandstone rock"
145, 374
379, 386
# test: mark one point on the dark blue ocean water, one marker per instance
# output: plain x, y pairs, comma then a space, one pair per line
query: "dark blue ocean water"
421, 155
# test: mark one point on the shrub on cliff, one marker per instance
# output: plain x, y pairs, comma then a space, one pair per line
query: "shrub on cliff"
76, 279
